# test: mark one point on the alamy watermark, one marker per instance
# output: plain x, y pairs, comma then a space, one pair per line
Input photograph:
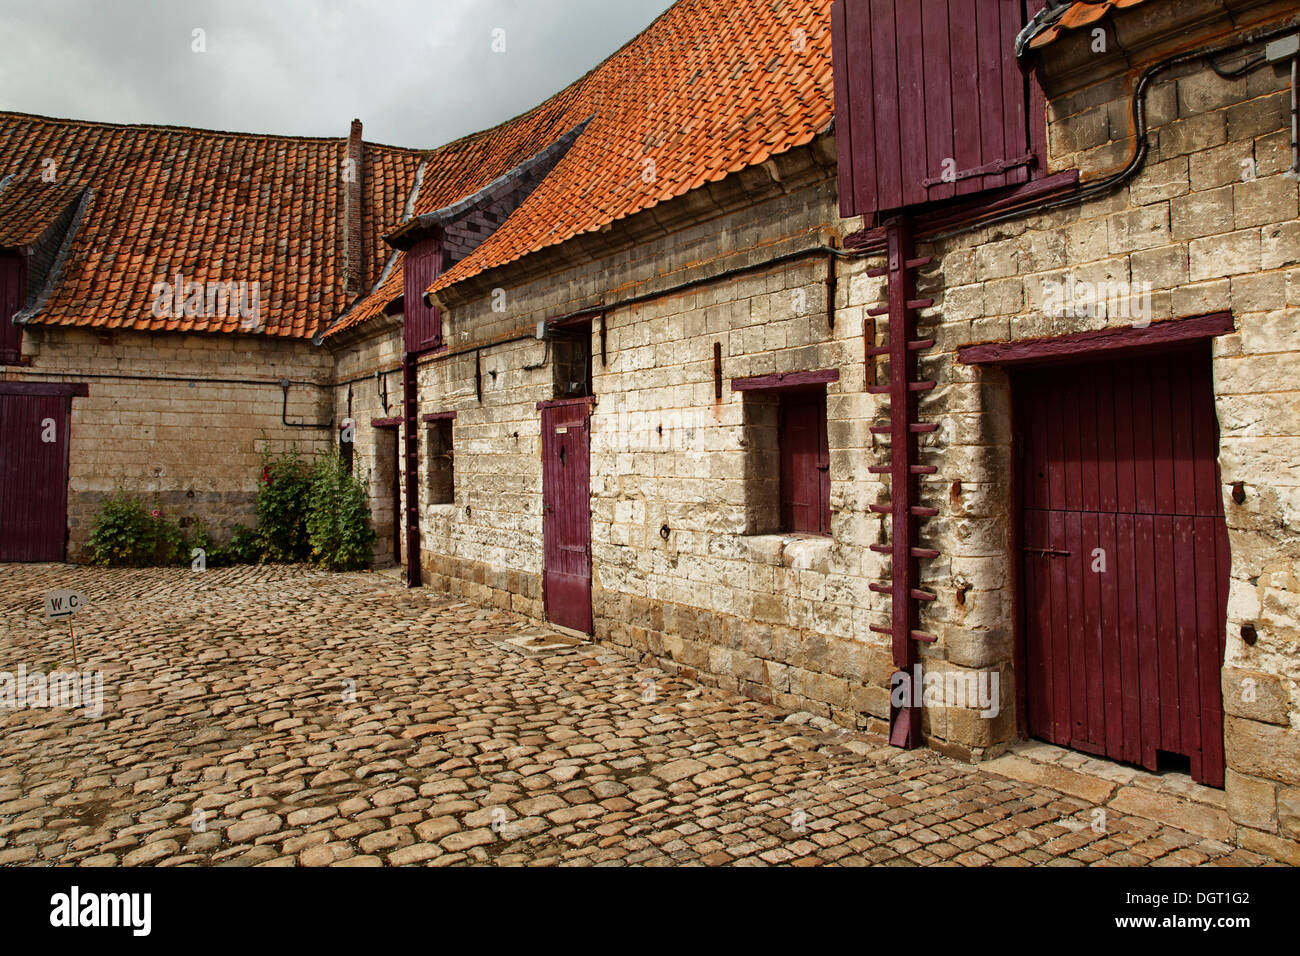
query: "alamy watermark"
60, 690
1079, 298
210, 300
964, 690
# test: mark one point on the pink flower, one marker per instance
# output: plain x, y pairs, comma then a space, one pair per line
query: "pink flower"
155, 512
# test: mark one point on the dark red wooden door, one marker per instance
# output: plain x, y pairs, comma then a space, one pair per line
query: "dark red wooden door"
805, 464
566, 520
1126, 561
33, 477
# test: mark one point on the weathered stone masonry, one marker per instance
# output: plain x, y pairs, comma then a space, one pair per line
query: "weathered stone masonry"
180, 419
1209, 223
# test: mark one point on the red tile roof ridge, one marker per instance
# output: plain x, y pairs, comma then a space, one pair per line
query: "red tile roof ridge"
170, 128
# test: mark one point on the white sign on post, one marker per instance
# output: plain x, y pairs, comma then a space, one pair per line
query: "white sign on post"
63, 603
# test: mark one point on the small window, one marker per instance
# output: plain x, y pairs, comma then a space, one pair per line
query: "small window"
787, 468
571, 366
442, 481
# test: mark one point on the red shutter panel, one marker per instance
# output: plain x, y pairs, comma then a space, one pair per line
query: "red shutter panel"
423, 325
11, 300
930, 102
823, 469
805, 498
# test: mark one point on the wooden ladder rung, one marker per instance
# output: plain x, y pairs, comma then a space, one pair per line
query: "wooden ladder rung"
919, 595
920, 344
880, 470
881, 509
882, 588
920, 263
921, 386
923, 637
924, 470
880, 630
882, 429
922, 429
883, 548
879, 310
924, 512
878, 350
919, 303
925, 554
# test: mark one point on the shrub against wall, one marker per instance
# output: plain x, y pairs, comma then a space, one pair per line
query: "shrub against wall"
338, 517
126, 533
319, 514
282, 508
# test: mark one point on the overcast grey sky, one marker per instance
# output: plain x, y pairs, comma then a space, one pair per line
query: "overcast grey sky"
418, 72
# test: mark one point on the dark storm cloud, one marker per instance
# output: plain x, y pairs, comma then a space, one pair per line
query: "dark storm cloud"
417, 72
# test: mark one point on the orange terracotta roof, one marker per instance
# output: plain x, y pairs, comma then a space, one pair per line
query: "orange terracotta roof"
1080, 14
210, 206
707, 90
461, 169
28, 209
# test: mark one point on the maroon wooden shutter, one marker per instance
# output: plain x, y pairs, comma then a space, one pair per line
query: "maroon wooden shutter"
423, 325
805, 464
930, 102
11, 300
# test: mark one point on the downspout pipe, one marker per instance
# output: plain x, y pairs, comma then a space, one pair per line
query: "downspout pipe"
284, 412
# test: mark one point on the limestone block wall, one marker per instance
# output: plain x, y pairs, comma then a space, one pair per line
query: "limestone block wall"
1209, 224
486, 546
181, 419
368, 387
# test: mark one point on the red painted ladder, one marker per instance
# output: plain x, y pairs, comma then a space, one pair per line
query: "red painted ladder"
904, 509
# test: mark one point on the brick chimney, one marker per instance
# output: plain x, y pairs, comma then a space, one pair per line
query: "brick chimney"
353, 168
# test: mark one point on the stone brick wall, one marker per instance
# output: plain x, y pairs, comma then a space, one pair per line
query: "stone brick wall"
1210, 224
368, 386
683, 568
166, 418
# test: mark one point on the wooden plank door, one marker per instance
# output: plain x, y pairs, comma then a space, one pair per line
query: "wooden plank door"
1125, 565
34, 477
566, 518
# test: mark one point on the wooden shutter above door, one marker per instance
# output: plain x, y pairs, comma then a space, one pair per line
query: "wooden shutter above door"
11, 300
423, 325
930, 102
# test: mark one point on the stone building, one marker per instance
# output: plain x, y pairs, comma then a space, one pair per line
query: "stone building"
160, 289
628, 363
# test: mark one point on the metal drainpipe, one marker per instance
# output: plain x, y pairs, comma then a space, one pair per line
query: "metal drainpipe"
284, 412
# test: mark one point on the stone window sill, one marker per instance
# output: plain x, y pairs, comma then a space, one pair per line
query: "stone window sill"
790, 550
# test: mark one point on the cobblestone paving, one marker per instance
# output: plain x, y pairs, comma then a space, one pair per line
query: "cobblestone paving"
286, 717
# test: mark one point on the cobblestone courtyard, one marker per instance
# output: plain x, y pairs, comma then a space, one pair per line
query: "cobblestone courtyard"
270, 716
